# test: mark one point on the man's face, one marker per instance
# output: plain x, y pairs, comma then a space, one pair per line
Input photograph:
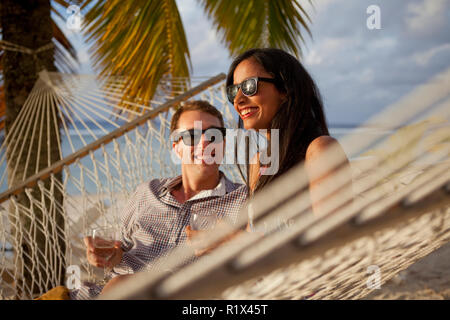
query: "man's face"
204, 155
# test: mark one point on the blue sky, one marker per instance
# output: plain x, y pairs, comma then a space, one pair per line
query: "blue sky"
359, 71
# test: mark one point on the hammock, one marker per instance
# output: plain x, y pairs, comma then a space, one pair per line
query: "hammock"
400, 215
318, 257
106, 151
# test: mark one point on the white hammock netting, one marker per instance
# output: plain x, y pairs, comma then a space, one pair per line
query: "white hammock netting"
98, 174
394, 222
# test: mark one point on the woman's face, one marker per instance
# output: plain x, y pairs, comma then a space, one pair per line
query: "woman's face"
258, 110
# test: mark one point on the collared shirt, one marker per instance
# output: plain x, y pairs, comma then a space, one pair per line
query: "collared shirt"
154, 222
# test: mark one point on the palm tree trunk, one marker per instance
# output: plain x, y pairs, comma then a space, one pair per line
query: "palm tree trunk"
28, 23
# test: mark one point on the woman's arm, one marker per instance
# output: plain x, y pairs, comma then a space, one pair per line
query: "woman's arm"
328, 168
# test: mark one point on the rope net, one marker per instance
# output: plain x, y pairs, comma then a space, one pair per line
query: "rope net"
400, 213
108, 149
96, 174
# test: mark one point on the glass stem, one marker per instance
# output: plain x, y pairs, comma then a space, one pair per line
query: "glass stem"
106, 271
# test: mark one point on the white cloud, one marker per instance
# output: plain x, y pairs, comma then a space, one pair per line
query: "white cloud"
205, 45
383, 43
83, 56
366, 76
423, 58
357, 70
334, 45
208, 55
313, 58
327, 50
187, 7
426, 16
316, 6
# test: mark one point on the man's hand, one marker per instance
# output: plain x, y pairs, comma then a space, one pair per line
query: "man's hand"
196, 237
96, 257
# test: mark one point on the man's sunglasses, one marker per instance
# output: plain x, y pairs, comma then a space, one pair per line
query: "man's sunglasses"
249, 87
192, 137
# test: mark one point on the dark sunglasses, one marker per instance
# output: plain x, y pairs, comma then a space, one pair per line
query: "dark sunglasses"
249, 87
192, 137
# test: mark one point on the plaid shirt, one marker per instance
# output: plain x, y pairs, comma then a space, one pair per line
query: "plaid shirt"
153, 222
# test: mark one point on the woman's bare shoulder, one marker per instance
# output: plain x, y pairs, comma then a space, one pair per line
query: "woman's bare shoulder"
319, 145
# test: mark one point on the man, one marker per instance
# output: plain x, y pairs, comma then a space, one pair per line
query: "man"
159, 211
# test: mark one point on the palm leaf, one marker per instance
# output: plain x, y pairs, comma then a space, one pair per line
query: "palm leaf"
141, 40
259, 23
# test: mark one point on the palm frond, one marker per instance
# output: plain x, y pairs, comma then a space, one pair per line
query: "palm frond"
141, 40
259, 23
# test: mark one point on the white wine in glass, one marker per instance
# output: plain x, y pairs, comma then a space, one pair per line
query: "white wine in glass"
202, 224
104, 239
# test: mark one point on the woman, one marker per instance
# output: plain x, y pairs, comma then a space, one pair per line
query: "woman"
270, 89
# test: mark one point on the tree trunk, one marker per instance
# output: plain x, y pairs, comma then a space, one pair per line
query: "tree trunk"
28, 23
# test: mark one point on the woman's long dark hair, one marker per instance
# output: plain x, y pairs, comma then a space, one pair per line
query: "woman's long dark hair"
300, 118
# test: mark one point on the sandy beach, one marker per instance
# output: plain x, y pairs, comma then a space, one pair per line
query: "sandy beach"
427, 279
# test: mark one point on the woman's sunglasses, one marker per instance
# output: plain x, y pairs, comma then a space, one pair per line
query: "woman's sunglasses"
192, 137
249, 87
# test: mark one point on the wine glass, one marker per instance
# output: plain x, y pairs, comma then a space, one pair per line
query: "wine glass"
104, 239
199, 225
202, 222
